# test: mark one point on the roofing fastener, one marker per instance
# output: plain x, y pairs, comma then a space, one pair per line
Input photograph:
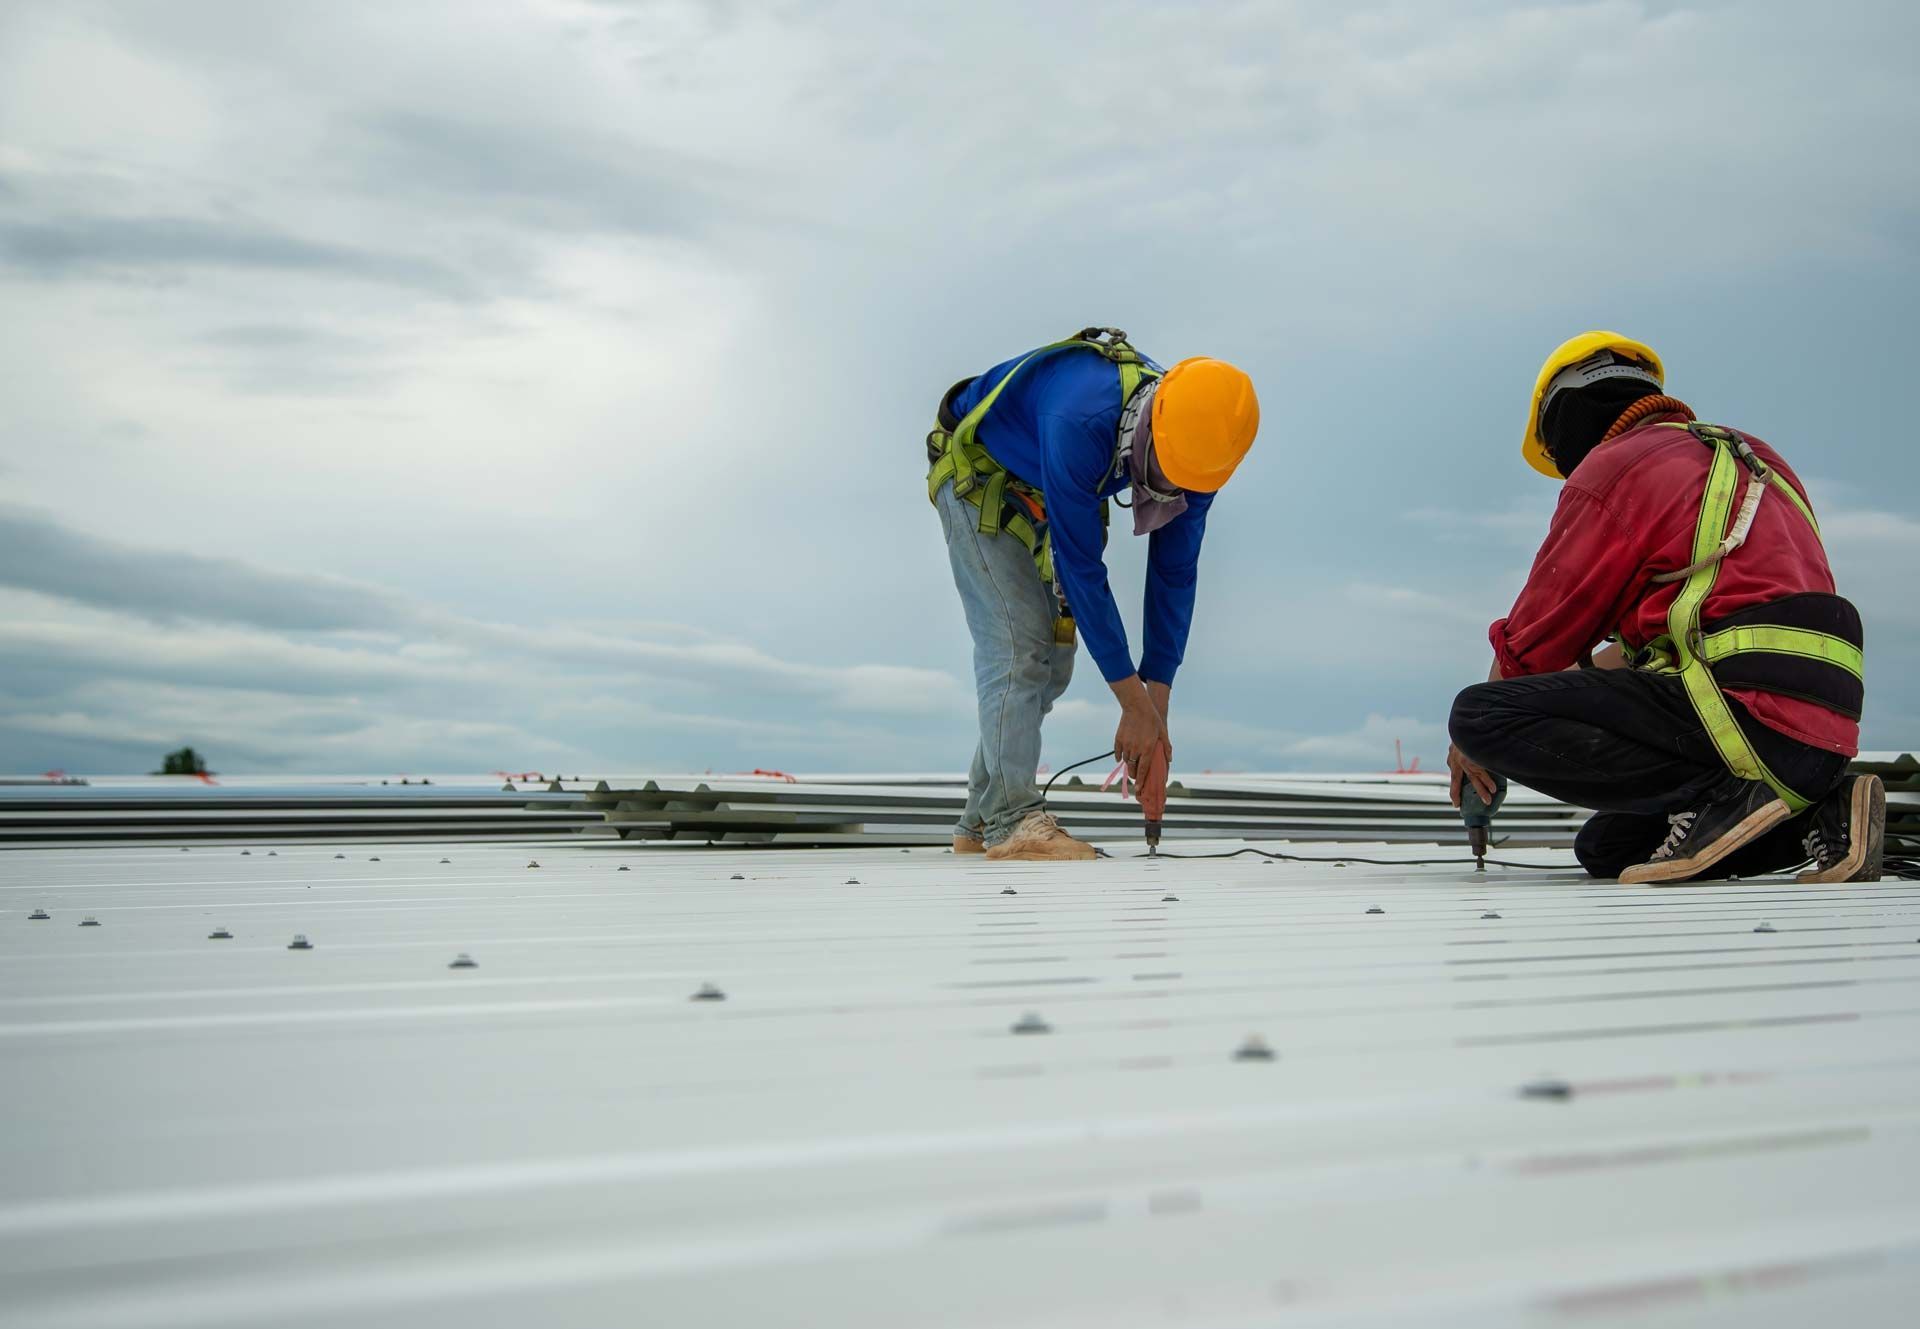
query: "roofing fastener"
1558, 1090
374, 859
38, 914
339, 855
1765, 927
708, 992
299, 942
273, 853
1489, 914
1009, 891
1376, 910
1253, 1048
89, 922
219, 934
736, 877
446, 860
533, 862
623, 868
463, 961
246, 853
1030, 1023
853, 881
1169, 899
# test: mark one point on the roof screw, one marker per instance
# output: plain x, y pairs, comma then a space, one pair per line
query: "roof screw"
219, 934
1254, 1048
299, 942
623, 868
1558, 1090
1376, 910
1009, 891
1031, 1023
39, 913
446, 860
89, 922
708, 992
1765, 927
463, 961
1489, 914
1339, 865
185, 848
736, 877
1169, 899
339, 855
533, 862
246, 853
853, 881
273, 853
374, 859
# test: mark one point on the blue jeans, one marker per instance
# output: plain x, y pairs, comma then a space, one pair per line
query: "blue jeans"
1019, 671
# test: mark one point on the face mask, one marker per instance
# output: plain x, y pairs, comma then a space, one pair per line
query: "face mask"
1154, 498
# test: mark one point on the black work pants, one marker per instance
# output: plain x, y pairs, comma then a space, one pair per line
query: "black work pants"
1629, 744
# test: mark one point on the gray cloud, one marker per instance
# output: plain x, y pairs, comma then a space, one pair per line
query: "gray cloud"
573, 180
81, 246
39, 554
668, 402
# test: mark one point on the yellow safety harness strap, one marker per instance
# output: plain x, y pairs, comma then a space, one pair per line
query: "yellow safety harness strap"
1684, 649
1803, 642
957, 455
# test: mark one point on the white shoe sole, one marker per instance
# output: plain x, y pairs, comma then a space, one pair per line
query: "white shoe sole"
1671, 871
1864, 851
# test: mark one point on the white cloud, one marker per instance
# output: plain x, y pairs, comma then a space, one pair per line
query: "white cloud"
537, 318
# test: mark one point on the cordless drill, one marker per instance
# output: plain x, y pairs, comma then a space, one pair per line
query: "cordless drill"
1477, 813
1151, 790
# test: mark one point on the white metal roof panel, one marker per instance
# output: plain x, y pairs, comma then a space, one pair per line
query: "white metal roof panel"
1723, 1123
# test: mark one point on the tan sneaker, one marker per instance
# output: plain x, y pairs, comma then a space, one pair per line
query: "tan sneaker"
966, 844
1039, 839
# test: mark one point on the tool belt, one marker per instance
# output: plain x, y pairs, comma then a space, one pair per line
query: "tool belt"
1807, 645
1006, 502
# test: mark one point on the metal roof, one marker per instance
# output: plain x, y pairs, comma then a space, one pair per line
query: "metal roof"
1522, 1098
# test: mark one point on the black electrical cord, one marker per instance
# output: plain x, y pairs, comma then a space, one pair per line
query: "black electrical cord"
1381, 862
1301, 858
1076, 766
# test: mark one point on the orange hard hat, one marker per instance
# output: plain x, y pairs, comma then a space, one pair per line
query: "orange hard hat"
1204, 418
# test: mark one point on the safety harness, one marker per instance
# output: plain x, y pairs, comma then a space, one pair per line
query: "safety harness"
1807, 645
1006, 502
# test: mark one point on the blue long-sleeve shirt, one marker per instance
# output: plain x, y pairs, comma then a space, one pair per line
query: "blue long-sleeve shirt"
1054, 427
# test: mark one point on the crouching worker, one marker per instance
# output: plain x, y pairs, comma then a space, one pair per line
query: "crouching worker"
1712, 735
1023, 460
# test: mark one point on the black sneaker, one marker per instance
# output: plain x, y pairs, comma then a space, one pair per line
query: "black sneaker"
1848, 838
1700, 837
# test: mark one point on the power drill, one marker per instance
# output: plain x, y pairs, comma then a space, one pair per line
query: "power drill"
1152, 793
1477, 812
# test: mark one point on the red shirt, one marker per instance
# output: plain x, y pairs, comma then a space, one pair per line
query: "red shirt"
1628, 514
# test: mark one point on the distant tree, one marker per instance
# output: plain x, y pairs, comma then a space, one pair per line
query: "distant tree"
184, 762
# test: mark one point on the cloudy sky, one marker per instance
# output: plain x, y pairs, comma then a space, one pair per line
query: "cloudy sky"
445, 386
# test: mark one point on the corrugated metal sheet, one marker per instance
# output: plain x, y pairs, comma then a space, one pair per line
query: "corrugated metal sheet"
1519, 1099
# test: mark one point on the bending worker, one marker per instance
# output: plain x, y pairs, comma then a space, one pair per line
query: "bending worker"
1023, 460
1713, 734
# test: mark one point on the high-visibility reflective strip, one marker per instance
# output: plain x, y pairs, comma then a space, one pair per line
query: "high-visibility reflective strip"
967, 464
1683, 627
1802, 642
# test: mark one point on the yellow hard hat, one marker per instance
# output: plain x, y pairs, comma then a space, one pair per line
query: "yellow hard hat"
1569, 353
1204, 418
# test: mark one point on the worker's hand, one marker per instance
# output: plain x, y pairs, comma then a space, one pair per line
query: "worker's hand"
1161, 695
1141, 727
1461, 769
